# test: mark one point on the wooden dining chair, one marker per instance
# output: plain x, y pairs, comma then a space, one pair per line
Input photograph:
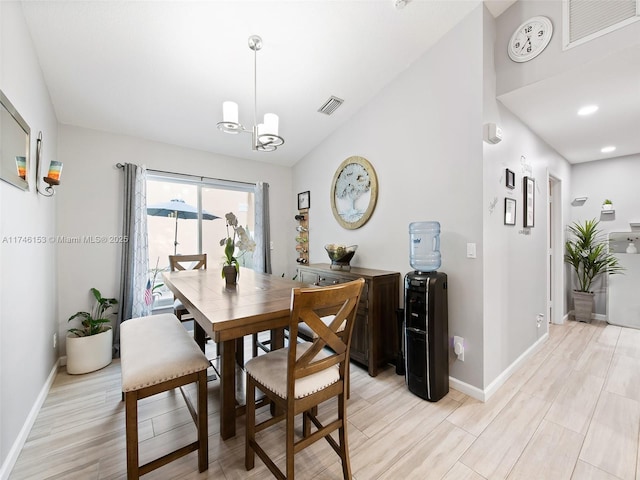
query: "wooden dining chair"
303, 375
185, 262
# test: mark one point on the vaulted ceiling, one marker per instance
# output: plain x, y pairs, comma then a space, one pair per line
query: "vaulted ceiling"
160, 70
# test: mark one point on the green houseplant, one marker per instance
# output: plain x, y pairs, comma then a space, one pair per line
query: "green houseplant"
588, 254
89, 346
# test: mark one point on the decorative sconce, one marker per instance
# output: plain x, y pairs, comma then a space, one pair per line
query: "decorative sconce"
53, 176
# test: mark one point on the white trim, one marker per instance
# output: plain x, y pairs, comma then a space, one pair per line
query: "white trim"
467, 389
504, 376
487, 393
12, 457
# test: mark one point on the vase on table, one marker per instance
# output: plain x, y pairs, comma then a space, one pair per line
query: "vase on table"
230, 274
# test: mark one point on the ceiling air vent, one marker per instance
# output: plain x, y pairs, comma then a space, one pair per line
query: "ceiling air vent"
331, 105
588, 19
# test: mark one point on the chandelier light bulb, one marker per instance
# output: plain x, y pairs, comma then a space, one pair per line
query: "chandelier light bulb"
230, 112
271, 124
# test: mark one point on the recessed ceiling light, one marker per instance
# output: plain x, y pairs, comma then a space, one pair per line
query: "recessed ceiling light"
608, 149
587, 110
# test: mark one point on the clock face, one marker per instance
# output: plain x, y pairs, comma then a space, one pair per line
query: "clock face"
530, 39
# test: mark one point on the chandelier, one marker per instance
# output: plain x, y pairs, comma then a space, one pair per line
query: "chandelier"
265, 135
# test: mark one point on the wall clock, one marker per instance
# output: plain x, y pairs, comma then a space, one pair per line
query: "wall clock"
354, 192
530, 39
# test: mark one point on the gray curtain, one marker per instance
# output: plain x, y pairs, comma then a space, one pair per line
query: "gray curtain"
262, 256
134, 270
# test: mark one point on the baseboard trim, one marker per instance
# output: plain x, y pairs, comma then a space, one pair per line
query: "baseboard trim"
467, 389
16, 448
484, 395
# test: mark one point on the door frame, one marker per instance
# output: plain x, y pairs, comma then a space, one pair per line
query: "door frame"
555, 251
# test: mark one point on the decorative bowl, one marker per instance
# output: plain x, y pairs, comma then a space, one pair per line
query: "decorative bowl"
340, 255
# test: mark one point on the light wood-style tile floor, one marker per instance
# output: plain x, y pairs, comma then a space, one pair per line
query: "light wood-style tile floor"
571, 412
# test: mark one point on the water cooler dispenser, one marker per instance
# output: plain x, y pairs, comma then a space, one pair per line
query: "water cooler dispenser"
426, 331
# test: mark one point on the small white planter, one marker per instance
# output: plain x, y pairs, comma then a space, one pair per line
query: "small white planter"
607, 206
86, 354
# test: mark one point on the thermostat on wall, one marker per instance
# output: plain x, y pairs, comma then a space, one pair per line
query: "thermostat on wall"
492, 133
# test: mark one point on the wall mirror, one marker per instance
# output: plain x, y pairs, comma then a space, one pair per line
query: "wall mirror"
15, 137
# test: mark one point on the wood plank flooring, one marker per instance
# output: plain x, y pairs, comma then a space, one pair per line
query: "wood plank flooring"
572, 411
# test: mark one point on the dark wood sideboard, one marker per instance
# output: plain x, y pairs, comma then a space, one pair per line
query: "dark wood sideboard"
374, 343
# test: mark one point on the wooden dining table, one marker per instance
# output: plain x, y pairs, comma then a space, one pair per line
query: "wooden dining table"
258, 302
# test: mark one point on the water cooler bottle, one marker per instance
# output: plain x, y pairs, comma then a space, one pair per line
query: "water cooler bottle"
426, 331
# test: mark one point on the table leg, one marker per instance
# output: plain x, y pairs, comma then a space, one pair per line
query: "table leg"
199, 335
277, 341
227, 390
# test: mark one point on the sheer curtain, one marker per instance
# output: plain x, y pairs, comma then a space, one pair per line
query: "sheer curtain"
134, 288
262, 255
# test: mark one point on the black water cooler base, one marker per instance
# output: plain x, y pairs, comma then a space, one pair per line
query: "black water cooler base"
426, 335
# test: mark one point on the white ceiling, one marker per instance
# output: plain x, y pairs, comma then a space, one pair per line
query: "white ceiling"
160, 70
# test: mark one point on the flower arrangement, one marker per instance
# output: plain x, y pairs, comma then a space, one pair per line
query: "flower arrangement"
240, 240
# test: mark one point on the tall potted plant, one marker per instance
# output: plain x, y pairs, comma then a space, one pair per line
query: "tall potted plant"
89, 346
588, 254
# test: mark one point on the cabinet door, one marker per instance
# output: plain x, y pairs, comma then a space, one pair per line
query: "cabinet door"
359, 337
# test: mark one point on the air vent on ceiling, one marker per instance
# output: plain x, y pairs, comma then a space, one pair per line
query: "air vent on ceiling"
588, 19
330, 105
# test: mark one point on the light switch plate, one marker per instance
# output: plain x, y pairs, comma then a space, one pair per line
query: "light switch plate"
471, 250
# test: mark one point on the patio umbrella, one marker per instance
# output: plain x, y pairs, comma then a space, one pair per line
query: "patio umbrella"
177, 208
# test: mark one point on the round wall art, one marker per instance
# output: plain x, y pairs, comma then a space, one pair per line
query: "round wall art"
354, 192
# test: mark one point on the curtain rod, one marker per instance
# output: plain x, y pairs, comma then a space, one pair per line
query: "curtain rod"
121, 166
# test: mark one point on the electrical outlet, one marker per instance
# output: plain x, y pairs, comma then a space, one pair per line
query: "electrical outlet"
55, 340
471, 250
458, 347
539, 319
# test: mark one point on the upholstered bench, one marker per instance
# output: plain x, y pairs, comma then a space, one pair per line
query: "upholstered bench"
157, 355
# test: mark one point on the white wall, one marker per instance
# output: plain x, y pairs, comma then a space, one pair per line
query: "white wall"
91, 204
617, 180
27, 271
515, 273
422, 135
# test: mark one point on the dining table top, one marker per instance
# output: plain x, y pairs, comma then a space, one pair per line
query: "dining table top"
227, 312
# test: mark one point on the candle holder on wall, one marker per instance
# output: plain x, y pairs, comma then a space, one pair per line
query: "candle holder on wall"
53, 176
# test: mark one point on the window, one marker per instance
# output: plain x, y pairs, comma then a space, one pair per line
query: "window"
191, 232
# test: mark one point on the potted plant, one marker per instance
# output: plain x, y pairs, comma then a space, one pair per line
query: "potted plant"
244, 243
607, 205
89, 347
588, 254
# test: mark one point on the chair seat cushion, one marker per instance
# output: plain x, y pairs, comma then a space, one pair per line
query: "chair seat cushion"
270, 370
177, 305
155, 349
305, 332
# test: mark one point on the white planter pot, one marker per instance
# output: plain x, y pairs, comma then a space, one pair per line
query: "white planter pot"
607, 206
86, 354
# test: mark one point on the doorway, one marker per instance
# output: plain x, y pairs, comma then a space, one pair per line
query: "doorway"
555, 252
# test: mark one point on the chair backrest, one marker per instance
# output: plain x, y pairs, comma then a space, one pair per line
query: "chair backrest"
309, 305
187, 262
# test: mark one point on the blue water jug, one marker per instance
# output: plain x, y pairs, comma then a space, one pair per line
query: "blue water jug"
424, 250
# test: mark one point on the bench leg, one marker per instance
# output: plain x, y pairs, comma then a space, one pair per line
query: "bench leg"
203, 435
131, 414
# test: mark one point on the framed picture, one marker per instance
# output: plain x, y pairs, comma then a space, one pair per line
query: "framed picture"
509, 211
304, 200
354, 192
528, 189
510, 179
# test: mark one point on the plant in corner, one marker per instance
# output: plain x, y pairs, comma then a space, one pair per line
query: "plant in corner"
588, 254
240, 240
89, 347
